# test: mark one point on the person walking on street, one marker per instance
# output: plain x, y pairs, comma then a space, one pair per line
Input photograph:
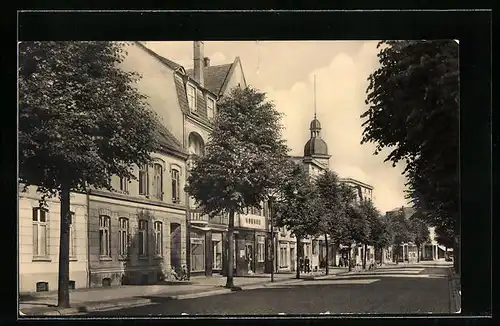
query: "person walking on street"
308, 266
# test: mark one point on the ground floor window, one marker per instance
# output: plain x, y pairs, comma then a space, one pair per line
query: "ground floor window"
283, 256
217, 250
261, 249
197, 253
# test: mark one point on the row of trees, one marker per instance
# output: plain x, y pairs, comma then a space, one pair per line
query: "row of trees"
413, 100
327, 207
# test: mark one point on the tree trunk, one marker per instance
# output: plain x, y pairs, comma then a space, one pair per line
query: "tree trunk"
397, 254
349, 259
327, 263
298, 252
230, 246
418, 253
456, 255
364, 256
63, 284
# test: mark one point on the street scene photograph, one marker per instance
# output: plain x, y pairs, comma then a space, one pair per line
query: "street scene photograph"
238, 178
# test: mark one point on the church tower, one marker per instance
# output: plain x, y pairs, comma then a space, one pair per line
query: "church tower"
316, 150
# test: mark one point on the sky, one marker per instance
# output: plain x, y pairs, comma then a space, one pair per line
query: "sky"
285, 71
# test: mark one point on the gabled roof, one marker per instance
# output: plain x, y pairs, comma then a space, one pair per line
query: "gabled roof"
167, 140
214, 76
165, 61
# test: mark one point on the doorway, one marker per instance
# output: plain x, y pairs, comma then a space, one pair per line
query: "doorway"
292, 259
175, 246
249, 257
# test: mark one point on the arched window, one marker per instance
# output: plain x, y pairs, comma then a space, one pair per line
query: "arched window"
158, 237
158, 181
105, 236
176, 192
143, 180
143, 237
196, 144
123, 233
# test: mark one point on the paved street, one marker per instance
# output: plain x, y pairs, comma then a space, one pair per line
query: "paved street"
399, 289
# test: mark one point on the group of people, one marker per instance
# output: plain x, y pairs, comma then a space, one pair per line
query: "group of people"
305, 264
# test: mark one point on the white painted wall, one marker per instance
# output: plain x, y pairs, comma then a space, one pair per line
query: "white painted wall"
31, 271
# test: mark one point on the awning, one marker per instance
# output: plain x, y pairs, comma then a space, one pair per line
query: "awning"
202, 228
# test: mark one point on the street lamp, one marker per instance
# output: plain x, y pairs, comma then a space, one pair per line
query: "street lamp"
271, 209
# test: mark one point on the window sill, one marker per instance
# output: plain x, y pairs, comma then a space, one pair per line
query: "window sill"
123, 258
42, 259
73, 259
143, 257
105, 258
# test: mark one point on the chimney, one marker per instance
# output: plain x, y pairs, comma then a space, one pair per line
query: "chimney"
198, 62
206, 62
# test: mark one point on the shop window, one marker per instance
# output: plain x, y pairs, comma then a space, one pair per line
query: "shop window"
261, 249
217, 250
197, 253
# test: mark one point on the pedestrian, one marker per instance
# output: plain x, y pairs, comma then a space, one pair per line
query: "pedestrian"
301, 264
341, 262
308, 266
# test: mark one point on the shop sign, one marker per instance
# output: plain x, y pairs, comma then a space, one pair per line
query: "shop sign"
253, 222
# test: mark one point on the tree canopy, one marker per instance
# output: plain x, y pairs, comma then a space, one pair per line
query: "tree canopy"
297, 207
244, 156
80, 118
414, 110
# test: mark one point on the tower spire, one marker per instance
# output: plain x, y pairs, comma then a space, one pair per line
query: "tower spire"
314, 96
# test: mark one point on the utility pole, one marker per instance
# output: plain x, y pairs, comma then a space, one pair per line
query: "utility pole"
271, 211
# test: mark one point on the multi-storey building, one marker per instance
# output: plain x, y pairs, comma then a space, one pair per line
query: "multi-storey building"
38, 232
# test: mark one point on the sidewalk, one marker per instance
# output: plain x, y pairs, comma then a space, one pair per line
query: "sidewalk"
95, 299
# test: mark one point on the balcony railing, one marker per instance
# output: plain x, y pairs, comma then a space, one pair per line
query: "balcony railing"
197, 217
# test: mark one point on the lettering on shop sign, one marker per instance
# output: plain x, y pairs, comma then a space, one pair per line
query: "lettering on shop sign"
254, 221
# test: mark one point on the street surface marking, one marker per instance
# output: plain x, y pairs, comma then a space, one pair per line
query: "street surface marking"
327, 282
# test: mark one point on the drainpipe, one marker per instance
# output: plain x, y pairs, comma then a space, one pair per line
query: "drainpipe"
88, 239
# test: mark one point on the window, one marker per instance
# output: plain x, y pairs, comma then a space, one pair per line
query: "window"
123, 237
143, 238
283, 257
158, 232
210, 108
217, 246
40, 237
197, 243
72, 235
191, 94
158, 181
175, 186
261, 249
124, 184
143, 180
104, 236
315, 247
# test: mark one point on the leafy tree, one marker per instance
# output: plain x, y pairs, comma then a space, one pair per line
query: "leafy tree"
297, 208
332, 212
348, 198
380, 235
376, 233
80, 122
420, 232
243, 160
400, 229
414, 110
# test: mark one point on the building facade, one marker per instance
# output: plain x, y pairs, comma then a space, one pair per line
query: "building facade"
39, 230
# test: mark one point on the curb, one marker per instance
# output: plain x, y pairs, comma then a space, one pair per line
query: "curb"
454, 293
135, 302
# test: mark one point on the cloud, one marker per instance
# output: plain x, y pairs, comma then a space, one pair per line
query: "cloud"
340, 95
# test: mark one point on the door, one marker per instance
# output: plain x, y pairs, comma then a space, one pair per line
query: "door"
250, 257
292, 259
